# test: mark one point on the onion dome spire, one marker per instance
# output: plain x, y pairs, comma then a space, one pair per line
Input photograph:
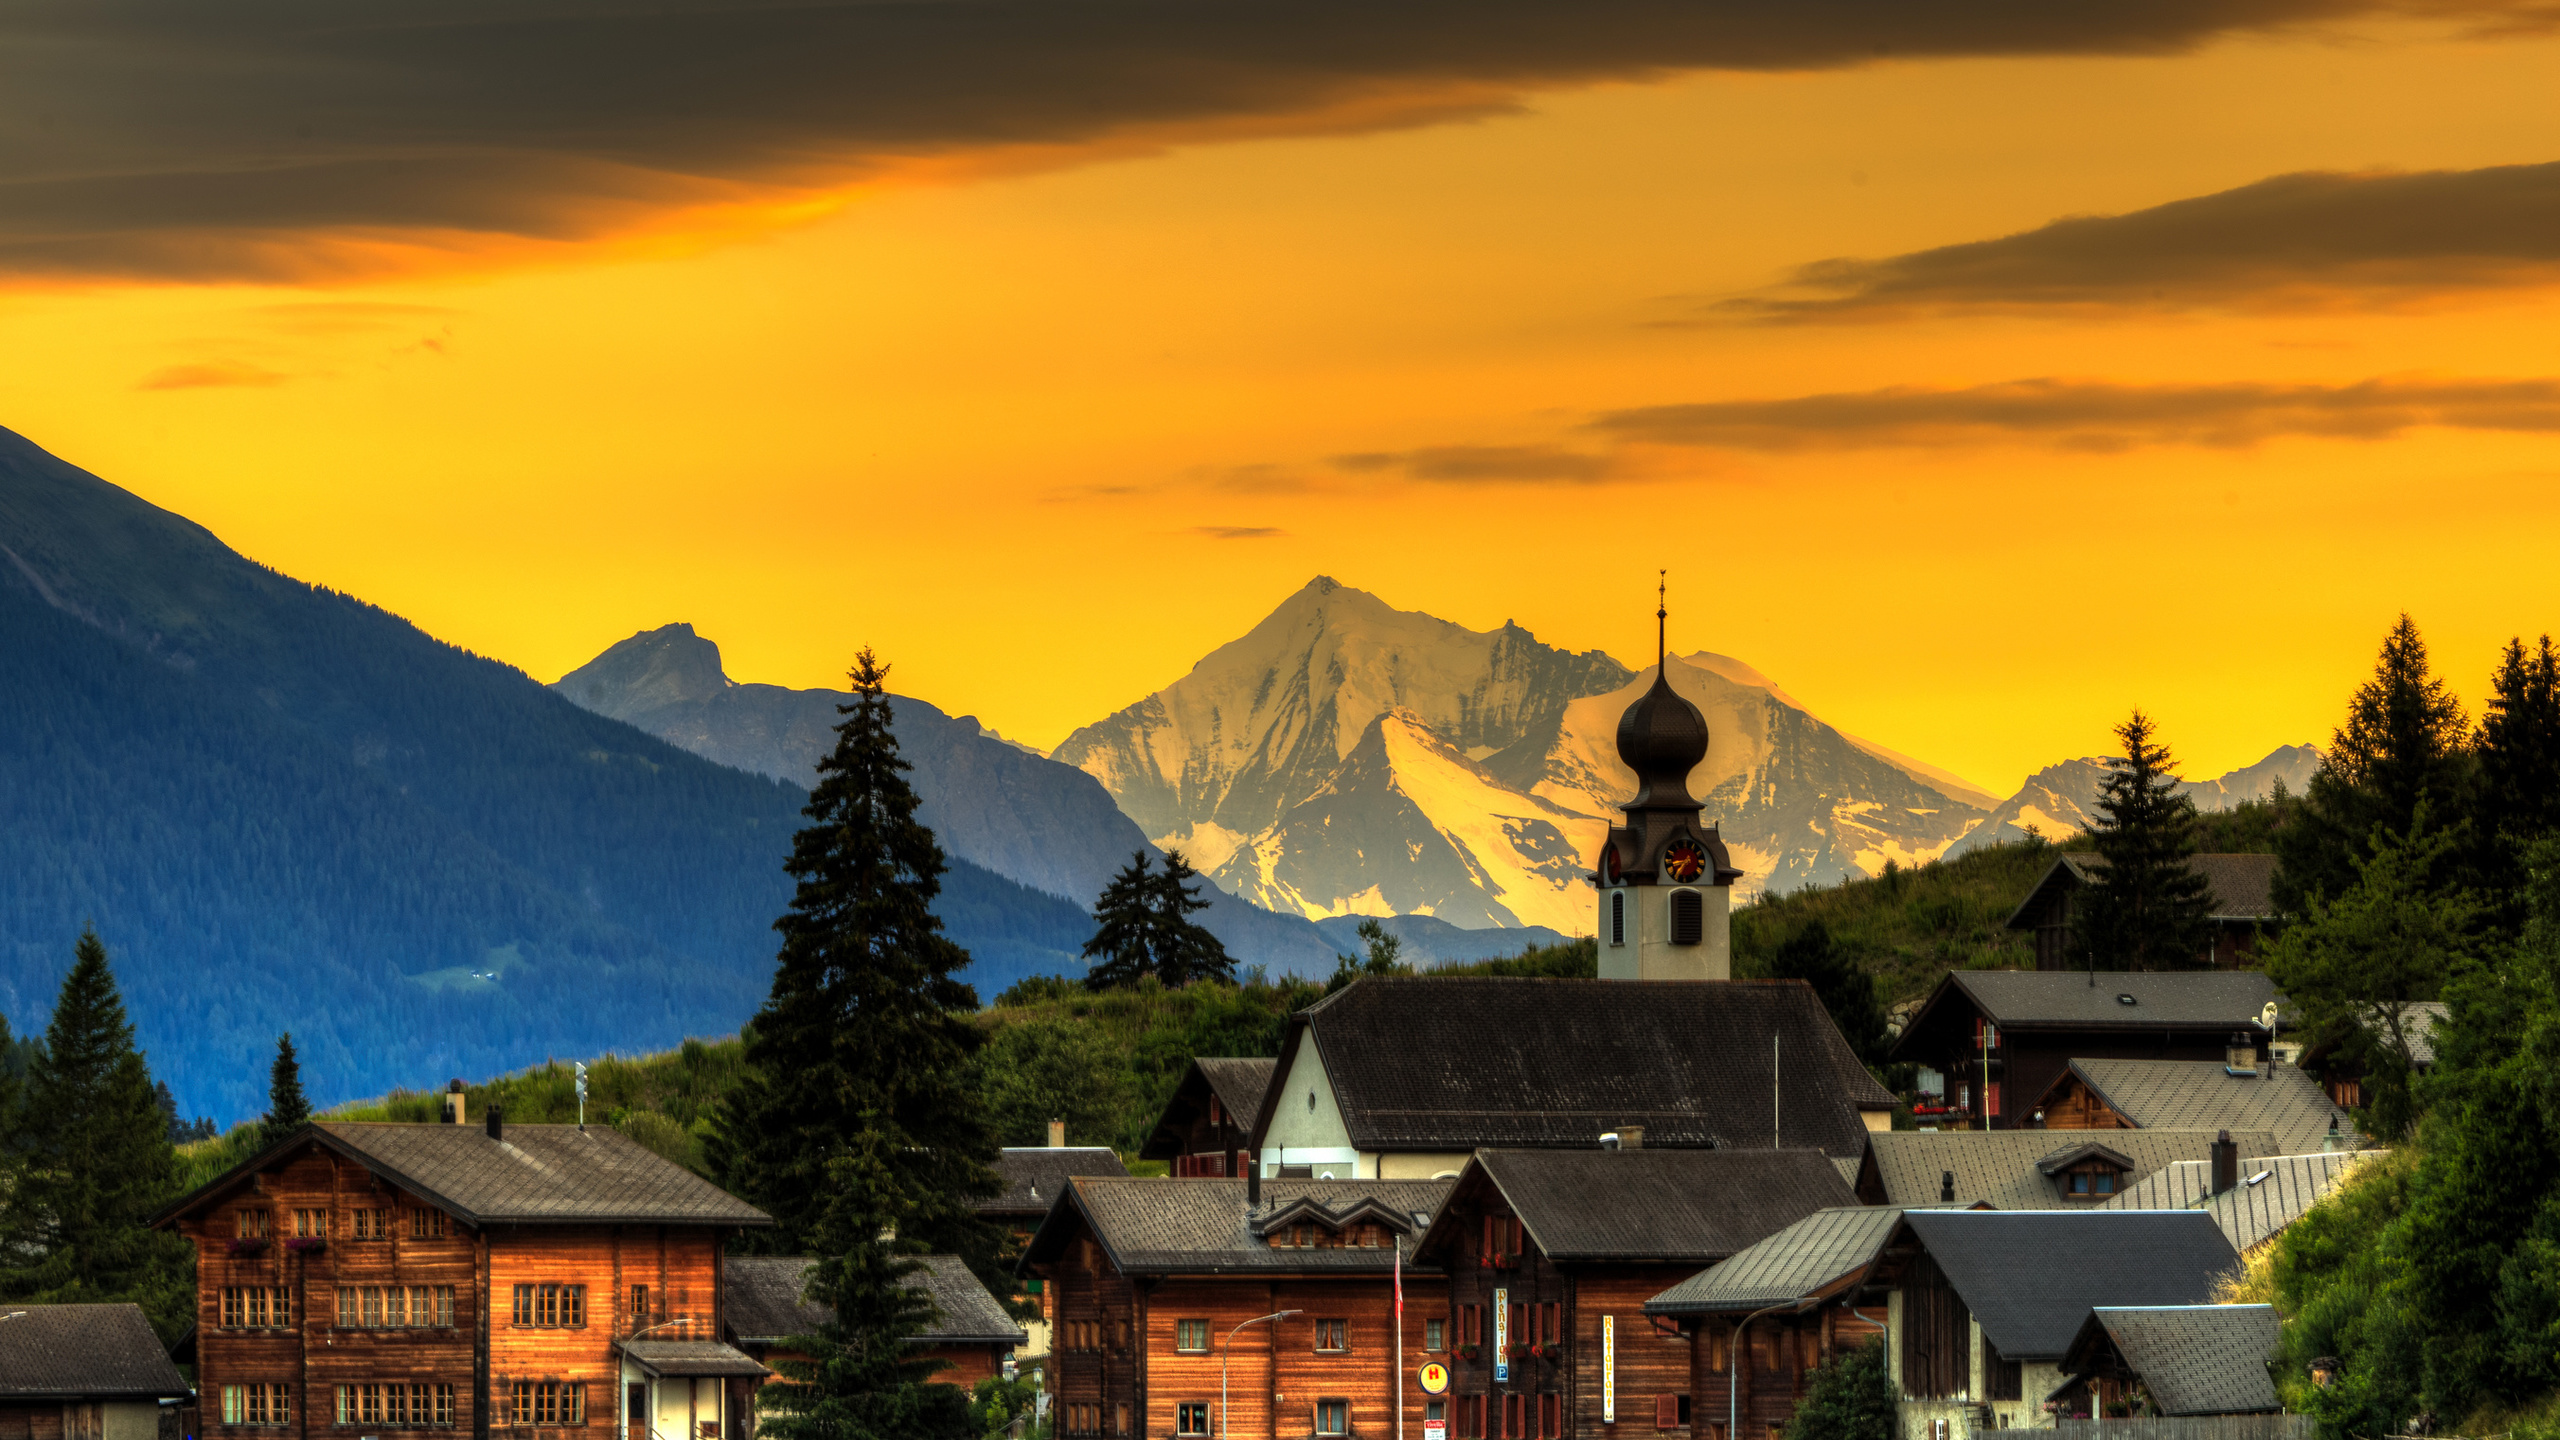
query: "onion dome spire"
1662, 737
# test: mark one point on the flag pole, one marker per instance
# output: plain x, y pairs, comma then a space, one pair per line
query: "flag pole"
1399, 1239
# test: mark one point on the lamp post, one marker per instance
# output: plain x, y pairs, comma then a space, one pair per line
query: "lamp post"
1222, 1362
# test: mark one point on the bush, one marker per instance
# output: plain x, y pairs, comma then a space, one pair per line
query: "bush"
1849, 1398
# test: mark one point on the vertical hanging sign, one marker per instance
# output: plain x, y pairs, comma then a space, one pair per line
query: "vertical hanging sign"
1608, 1369
1502, 1336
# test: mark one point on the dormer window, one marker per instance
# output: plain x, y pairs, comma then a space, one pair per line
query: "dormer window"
2094, 1181
2087, 1173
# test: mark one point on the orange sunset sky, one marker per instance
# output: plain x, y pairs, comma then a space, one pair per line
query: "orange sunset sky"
1046, 346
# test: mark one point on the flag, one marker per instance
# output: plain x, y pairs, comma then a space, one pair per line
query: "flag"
1399, 1279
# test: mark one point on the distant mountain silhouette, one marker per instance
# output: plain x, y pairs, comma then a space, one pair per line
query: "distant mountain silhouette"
285, 809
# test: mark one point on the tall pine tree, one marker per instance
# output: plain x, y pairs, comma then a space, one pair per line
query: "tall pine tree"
2403, 746
287, 1110
1846, 990
865, 1042
96, 1162
1185, 951
2149, 909
2519, 746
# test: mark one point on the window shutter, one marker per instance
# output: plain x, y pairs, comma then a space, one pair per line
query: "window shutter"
1666, 1412
1688, 917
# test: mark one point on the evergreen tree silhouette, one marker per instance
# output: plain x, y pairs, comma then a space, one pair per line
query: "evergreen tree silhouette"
2403, 746
1123, 943
863, 1046
1185, 951
2149, 909
96, 1163
287, 1109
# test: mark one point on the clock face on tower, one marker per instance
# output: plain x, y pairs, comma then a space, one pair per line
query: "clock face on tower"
1686, 859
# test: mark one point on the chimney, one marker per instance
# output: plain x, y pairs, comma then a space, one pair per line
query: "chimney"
2226, 1162
1057, 1134
2240, 1054
497, 1124
1630, 1137
2336, 1141
1252, 1186
1947, 1186
453, 1102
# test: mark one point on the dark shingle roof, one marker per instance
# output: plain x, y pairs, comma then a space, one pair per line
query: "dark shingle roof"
2193, 1359
2003, 1168
2030, 1277
2274, 1191
1035, 1177
762, 1297
1431, 1063
2203, 1095
1807, 1258
1672, 1205
1238, 1083
2065, 999
1201, 1227
761, 1300
83, 1352
692, 1357
2242, 886
537, 1175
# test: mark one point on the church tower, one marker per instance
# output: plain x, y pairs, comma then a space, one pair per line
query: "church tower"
1665, 880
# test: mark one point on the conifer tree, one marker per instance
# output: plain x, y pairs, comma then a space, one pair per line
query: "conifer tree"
2403, 746
1184, 951
96, 1163
860, 1380
864, 1044
287, 1110
1124, 924
2519, 746
2149, 909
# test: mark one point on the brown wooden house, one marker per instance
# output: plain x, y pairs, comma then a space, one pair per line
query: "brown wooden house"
1034, 1177
83, 1372
376, 1279
1154, 1277
1207, 1127
2244, 908
2003, 1037
766, 1306
1552, 1255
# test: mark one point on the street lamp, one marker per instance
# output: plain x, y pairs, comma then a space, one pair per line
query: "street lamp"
1222, 1362
1733, 1365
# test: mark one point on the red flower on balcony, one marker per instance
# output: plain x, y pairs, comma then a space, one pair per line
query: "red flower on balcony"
249, 1245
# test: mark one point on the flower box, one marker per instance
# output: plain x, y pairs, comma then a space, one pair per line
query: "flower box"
1468, 1352
306, 1243
1551, 1350
249, 1245
1523, 1352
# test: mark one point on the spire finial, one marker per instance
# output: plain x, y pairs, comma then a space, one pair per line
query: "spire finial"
1661, 617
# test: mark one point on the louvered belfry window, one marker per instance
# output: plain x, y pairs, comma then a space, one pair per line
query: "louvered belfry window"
1618, 918
1688, 917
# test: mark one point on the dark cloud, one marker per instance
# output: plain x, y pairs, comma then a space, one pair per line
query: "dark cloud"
1479, 464
1238, 532
2295, 242
305, 138
2092, 415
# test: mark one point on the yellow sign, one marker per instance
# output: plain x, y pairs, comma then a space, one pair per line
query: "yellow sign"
1608, 1369
1435, 1379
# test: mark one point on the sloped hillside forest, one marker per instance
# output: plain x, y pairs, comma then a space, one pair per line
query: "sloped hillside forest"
2421, 863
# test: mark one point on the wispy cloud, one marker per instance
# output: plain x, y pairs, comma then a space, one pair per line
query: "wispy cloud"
2304, 242
211, 374
1239, 532
1478, 464
301, 139
2091, 415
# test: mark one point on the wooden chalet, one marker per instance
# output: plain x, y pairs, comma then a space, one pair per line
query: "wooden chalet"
2242, 1092
415, 1279
1153, 1277
1034, 1177
83, 1372
1406, 1077
1979, 1307
1207, 1126
1552, 1254
767, 1307
2003, 1037
2244, 910
2171, 1360
2028, 1169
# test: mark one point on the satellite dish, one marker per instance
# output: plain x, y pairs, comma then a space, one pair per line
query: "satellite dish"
2267, 1017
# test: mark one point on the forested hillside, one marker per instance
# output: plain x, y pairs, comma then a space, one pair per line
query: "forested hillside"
284, 809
